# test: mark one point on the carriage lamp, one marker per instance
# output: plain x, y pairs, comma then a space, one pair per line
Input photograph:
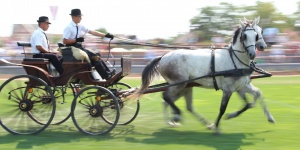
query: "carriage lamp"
30, 90
98, 98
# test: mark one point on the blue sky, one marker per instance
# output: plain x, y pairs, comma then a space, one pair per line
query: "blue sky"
144, 18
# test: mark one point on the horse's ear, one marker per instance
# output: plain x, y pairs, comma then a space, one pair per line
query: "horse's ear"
242, 24
257, 20
246, 20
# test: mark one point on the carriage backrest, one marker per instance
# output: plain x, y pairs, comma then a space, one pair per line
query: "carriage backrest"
25, 44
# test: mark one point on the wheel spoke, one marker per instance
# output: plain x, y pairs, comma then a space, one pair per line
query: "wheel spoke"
88, 109
24, 108
129, 109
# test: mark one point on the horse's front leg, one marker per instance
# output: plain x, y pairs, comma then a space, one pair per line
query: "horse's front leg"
257, 94
225, 99
266, 111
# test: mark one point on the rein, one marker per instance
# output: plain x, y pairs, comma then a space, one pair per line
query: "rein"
132, 42
231, 52
109, 54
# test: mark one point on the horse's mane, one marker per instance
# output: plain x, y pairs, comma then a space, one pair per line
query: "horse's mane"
237, 32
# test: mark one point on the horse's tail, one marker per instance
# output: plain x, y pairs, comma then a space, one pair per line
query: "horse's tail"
149, 72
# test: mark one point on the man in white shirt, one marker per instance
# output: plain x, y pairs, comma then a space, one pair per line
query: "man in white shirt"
71, 37
40, 44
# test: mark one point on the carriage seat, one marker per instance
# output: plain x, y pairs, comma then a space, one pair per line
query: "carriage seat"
24, 44
39, 62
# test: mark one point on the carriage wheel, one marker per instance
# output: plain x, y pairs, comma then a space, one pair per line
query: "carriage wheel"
129, 109
27, 105
92, 107
63, 97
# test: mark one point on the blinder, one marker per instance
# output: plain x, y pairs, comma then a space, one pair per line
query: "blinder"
243, 37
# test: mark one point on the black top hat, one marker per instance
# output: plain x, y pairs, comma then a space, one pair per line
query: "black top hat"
43, 19
76, 12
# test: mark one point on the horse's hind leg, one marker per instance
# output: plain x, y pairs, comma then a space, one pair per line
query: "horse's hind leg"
170, 96
167, 113
188, 95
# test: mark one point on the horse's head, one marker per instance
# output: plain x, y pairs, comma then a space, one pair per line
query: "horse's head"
248, 38
260, 43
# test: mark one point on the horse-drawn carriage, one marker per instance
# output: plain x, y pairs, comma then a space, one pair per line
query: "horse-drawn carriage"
36, 100
31, 102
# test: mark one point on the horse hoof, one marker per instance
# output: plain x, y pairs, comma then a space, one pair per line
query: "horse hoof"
211, 127
271, 120
173, 124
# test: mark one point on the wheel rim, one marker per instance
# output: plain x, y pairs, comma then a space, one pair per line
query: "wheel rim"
93, 108
129, 109
26, 105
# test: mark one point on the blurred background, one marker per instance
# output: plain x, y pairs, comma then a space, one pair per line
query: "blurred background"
170, 22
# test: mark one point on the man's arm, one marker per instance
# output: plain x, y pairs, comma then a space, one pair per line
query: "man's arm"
100, 34
69, 41
96, 33
42, 49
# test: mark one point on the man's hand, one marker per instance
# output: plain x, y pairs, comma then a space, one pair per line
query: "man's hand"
81, 39
109, 36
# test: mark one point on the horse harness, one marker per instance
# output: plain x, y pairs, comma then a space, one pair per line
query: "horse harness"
234, 72
228, 73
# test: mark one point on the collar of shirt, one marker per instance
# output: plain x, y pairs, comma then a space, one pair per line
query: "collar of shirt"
74, 24
40, 29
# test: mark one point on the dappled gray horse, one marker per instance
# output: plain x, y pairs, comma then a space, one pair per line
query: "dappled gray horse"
227, 69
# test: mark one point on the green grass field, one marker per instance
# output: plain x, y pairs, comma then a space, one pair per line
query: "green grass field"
250, 131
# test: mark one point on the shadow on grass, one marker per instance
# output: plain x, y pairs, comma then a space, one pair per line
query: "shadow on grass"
61, 134
218, 142
70, 135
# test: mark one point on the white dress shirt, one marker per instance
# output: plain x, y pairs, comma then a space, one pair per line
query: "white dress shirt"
70, 31
38, 38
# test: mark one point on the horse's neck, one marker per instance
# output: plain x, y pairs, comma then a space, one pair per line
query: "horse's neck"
240, 52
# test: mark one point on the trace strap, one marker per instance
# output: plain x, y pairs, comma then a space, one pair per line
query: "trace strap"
212, 68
